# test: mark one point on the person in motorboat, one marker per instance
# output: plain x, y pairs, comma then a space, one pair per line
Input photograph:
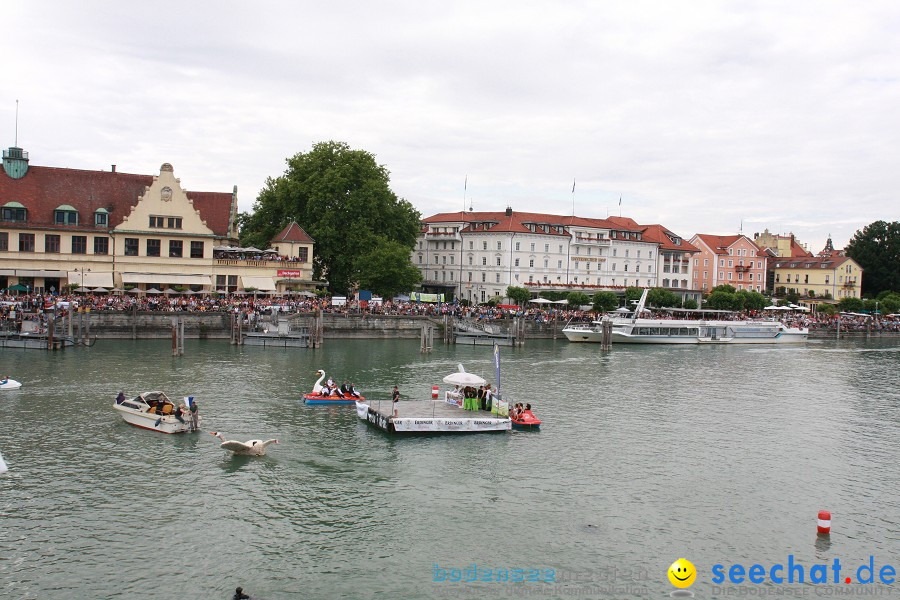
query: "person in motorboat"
4, 380
120, 398
179, 412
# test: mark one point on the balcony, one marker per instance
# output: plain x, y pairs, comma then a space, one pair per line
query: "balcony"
848, 284
593, 241
742, 268
443, 236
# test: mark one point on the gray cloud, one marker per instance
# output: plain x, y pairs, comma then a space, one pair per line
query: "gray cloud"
778, 115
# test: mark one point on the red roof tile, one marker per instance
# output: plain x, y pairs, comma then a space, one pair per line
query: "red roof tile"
43, 189
293, 233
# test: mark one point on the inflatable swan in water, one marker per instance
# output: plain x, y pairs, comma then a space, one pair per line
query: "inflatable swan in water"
248, 448
317, 388
9, 384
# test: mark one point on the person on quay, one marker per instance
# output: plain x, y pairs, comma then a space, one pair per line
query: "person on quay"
480, 398
395, 398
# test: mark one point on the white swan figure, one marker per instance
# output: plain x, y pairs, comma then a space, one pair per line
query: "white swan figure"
317, 388
10, 384
248, 448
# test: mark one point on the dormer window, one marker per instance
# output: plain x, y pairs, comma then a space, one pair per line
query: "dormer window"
65, 215
13, 211
101, 217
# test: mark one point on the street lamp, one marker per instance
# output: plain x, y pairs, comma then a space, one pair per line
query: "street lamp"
82, 276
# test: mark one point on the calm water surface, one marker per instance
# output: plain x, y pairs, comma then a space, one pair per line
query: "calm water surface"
718, 454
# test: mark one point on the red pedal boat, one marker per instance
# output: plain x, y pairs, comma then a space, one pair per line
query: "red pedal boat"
526, 420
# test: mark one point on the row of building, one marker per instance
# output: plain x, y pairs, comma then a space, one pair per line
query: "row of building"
478, 254
64, 229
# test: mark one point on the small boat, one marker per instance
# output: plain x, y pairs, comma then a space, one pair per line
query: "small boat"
526, 420
153, 411
335, 397
10, 384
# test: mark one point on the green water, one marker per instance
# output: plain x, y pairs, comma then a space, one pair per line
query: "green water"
718, 454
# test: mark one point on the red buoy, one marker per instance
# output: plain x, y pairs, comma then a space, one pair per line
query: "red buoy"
824, 522
434, 392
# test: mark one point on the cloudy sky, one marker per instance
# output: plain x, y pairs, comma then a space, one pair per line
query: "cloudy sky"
703, 116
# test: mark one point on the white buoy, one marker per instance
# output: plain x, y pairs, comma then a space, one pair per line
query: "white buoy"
3, 467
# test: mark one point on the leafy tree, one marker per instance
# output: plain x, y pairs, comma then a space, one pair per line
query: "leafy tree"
517, 294
792, 297
690, 303
661, 297
605, 301
387, 270
750, 300
850, 304
720, 300
577, 299
632, 294
342, 199
877, 250
828, 309
724, 288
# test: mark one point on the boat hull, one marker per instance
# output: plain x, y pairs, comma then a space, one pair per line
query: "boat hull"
11, 384
167, 424
317, 399
653, 331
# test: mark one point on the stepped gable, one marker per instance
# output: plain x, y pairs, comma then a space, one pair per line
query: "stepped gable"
43, 189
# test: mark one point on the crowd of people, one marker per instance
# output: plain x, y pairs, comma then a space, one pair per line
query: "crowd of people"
36, 304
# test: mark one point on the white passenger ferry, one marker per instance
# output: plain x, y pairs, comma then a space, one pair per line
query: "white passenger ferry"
636, 330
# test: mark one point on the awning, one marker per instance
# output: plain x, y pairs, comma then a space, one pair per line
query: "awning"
7, 271
91, 280
33, 273
259, 283
166, 278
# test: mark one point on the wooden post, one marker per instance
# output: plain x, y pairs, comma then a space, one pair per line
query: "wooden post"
606, 335
134, 321
51, 325
87, 326
839, 327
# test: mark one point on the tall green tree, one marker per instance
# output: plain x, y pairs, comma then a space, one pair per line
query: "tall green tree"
877, 250
605, 301
661, 297
578, 299
386, 270
517, 294
342, 198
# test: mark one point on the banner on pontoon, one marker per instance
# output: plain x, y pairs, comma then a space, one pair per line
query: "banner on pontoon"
426, 424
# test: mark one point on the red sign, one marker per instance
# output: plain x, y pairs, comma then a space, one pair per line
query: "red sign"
287, 273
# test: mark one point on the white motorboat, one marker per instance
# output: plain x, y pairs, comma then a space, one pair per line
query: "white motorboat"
638, 330
153, 411
10, 384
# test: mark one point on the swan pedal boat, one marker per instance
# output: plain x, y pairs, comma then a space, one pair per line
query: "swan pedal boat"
10, 384
526, 420
316, 397
143, 411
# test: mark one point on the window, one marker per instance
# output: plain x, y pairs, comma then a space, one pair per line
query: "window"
197, 250
517, 246
174, 222
705, 262
65, 217
452, 259
4, 241
14, 213
532, 247
51, 243
131, 246
79, 244
499, 245
470, 275
730, 263
26, 242
470, 260
436, 259
444, 259
153, 247
304, 254
484, 261
517, 262
546, 247
614, 251
176, 248
101, 218
559, 264
101, 245
560, 248
156, 222
483, 277
498, 277
420, 259
730, 276
626, 253
471, 245
722, 262
498, 261
545, 263
484, 244
531, 263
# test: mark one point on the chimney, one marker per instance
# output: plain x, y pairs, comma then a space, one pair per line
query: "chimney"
114, 168
508, 211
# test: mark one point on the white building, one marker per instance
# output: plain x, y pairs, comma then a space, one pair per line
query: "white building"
477, 255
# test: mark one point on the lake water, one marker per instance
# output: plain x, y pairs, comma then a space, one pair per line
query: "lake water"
719, 454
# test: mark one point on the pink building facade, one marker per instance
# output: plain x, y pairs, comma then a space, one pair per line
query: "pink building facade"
728, 260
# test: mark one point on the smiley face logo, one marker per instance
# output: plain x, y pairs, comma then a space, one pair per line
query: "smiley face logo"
682, 573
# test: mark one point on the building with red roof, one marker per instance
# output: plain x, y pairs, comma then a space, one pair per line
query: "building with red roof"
477, 255
729, 260
107, 229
